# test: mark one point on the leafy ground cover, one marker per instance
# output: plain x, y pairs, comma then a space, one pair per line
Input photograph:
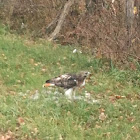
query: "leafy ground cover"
24, 67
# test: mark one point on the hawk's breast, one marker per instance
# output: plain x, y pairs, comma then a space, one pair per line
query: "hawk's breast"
83, 83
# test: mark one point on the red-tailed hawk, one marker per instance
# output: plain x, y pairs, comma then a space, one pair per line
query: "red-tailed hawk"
70, 82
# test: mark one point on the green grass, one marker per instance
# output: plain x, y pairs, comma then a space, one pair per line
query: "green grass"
24, 67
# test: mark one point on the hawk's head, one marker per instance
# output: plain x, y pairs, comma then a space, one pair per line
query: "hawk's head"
84, 73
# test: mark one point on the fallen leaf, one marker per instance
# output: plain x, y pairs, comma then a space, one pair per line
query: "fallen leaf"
102, 116
3, 54
106, 134
60, 137
135, 10
7, 136
73, 64
20, 121
121, 118
112, 99
102, 110
119, 97
31, 61
43, 70
35, 130
68, 113
97, 126
36, 64
131, 119
135, 128
132, 66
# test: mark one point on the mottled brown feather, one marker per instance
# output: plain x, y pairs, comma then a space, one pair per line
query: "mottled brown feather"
68, 81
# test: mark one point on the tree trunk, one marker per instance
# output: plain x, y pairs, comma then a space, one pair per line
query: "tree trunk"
129, 21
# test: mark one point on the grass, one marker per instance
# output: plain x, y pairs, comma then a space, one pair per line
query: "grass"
25, 65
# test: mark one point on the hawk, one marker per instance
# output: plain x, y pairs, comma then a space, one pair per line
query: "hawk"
70, 82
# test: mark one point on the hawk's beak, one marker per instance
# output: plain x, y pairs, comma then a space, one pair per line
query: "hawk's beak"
89, 75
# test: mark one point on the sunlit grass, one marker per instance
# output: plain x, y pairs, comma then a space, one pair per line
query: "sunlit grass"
25, 65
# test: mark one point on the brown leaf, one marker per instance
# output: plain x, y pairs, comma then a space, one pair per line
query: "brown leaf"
102, 116
7, 136
131, 119
97, 126
113, 98
43, 70
132, 66
135, 128
20, 121
121, 118
3, 54
31, 61
102, 110
119, 97
106, 134
36, 64
60, 137
68, 113
35, 130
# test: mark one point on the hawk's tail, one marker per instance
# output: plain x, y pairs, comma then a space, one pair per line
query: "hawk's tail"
49, 83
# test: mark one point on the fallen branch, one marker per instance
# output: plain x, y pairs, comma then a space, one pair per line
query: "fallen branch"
61, 20
52, 25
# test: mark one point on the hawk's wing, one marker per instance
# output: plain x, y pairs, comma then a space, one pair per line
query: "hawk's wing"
66, 81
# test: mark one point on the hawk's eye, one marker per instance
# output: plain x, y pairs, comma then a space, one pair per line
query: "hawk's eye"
85, 75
